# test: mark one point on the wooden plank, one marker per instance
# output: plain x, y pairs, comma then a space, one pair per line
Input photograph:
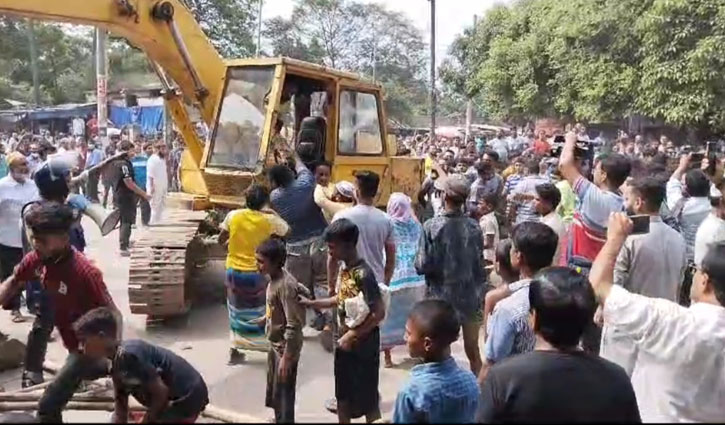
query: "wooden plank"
151, 252
153, 285
158, 271
158, 310
171, 292
159, 301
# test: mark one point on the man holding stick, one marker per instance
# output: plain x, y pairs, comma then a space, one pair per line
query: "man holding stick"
74, 287
54, 184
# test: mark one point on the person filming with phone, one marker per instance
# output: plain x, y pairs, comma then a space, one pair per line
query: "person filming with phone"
597, 200
688, 198
651, 263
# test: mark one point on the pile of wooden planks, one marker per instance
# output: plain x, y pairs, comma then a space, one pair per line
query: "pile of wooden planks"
159, 266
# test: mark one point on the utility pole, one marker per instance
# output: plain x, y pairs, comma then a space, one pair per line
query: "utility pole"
375, 58
259, 28
34, 62
469, 104
101, 86
432, 70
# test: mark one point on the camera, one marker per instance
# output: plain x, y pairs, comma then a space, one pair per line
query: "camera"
582, 150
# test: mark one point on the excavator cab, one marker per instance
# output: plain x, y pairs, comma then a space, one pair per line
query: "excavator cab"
270, 106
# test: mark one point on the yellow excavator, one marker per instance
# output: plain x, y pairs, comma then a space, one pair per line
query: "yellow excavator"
248, 105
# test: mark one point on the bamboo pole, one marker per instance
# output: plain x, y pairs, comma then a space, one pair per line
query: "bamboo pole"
228, 416
101, 384
36, 397
72, 405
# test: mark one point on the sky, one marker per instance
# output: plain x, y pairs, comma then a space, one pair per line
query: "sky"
452, 16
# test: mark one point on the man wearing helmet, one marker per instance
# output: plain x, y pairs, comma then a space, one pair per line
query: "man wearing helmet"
125, 193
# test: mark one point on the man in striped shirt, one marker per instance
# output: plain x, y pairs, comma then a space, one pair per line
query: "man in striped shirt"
597, 200
521, 198
514, 179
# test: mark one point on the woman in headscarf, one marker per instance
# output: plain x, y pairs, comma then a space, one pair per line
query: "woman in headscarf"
406, 286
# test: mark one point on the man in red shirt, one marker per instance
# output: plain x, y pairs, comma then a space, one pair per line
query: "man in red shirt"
541, 146
74, 286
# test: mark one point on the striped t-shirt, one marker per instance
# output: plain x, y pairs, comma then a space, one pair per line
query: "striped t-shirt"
589, 227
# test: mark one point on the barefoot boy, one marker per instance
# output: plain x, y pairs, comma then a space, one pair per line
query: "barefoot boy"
285, 319
357, 355
170, 388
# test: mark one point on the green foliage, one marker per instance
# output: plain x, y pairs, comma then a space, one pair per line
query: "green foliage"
683, 62
362, 38
61, 56
596, 60
229, 24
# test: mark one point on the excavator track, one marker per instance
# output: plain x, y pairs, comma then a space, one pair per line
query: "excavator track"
160, 265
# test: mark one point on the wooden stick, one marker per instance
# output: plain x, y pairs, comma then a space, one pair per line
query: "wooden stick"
101, 384
72, 405
51, 367
33, 388
228, 416
36, 397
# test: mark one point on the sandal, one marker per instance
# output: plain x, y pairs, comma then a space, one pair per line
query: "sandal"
17, 317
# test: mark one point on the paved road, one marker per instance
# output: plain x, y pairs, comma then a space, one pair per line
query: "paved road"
202, 338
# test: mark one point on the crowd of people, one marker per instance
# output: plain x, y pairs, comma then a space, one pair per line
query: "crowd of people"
137, 180
587, 284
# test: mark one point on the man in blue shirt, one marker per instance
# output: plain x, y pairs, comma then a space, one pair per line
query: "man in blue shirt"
293, 199
95, 156
438, 391
509, 333
139, 177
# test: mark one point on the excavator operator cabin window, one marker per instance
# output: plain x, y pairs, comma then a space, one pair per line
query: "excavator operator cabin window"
238, 133
359, 131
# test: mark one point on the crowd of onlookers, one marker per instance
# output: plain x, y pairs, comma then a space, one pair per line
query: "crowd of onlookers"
90, 151
573, 268
586, 279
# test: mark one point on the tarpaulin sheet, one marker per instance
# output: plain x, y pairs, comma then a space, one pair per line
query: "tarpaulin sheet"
62, 112
149, 118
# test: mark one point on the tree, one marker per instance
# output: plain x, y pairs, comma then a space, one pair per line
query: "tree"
683, 63
229, 24
128, 66
286, 41
596, 60
61, 56
66, 62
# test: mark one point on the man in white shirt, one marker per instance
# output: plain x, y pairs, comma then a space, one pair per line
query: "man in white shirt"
34, 159
157, 182
690, 207
712, 230
78, 126
500, 146
693, 209
651, 264
16, 190
546, 200
679, 374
